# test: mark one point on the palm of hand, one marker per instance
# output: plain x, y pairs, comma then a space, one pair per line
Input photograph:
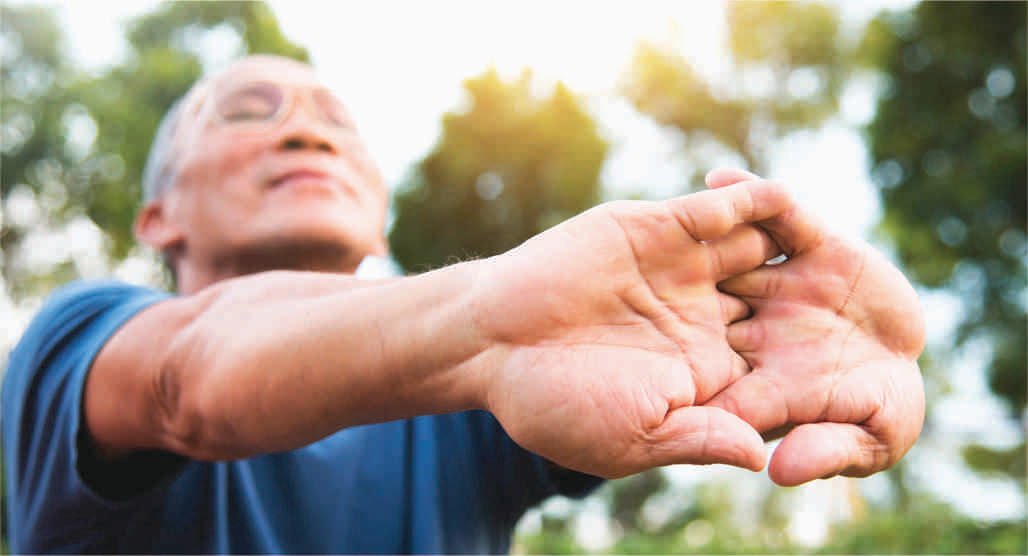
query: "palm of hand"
833, 343
618, 331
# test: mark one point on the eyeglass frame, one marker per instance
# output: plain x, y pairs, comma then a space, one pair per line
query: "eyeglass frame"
210, 100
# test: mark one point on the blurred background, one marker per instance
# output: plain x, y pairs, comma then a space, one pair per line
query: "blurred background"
900, 122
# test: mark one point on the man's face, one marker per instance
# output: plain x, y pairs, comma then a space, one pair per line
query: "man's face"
261, 192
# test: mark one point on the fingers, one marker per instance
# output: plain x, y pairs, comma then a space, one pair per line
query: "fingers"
857, 426
721, 177
761, 284
702, 435
745, 248
747, 336
711, 214
730, 367
894, 405
821, 450
733, 309
795, 230
756, 400
739, 368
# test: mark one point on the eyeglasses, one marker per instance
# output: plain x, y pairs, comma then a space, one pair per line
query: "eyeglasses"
264, 104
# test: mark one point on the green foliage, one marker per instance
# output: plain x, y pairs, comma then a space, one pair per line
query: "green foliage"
628, 496
125, 104
928, 528
925, 527
663, 85
1010, 461
128, 102
792, 48
552, 538
949, 147
945, 148
174, 24
32, 72
697, 521
87, 136
790, 34
509, 166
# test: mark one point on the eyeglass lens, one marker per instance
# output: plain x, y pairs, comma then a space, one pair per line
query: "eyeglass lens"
254, 102
259, 102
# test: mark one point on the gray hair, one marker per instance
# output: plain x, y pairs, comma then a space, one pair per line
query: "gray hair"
159, 171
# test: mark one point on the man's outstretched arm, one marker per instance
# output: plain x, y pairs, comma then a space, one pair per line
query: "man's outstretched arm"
592, 343
277, 360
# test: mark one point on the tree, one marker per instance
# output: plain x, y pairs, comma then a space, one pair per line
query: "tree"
797, 61
506, 168
75, 144
81, 141
33, 76
949, 148
790, 51
928, 528
30, 121
128, 102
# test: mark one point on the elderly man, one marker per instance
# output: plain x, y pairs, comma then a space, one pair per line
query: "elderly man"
278, 404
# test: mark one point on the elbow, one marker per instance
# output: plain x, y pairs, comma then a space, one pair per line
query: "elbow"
183, 420
190, 417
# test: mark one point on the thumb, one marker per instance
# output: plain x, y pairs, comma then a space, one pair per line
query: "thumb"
821, 450
721, 177
703, 435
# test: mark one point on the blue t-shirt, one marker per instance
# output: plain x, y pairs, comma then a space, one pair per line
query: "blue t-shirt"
445, 483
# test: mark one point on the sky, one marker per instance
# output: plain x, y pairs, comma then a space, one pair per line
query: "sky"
399, 65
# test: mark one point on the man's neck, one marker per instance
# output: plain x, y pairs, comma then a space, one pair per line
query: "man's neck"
192, 277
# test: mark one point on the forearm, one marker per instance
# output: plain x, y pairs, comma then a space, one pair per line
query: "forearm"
271, 365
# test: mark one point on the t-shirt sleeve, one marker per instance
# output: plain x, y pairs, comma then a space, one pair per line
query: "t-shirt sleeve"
522, 478
51, 478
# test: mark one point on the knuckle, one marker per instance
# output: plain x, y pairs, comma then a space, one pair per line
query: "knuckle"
687, 220
717, 261
729, 401
773, 284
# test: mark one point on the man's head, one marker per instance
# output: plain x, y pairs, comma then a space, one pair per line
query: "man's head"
260, 167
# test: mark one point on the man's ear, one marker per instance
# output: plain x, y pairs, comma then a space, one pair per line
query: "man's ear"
154, 228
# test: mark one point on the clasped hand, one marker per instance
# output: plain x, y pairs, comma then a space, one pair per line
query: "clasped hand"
642, 334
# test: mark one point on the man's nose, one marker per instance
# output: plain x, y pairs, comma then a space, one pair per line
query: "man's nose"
304, 130
300, 139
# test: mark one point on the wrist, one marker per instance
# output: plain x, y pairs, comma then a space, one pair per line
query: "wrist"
477, 306
446, 351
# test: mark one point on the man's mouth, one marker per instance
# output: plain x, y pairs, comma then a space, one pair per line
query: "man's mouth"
315, 177
311, 179
301, 176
